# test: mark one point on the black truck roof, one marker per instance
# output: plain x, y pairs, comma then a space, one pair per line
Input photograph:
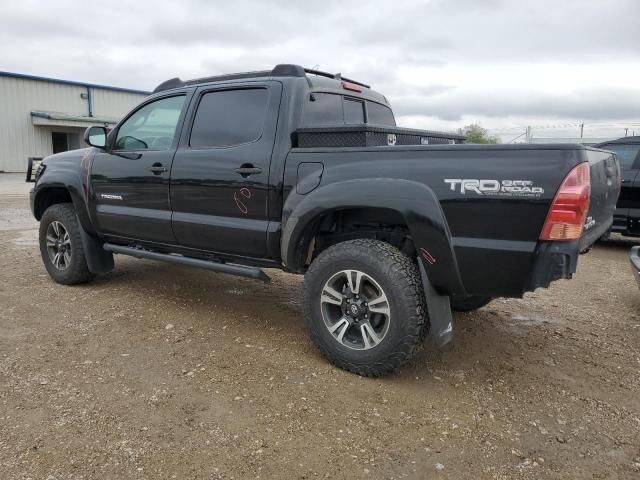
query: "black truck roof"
281, 70
633, 140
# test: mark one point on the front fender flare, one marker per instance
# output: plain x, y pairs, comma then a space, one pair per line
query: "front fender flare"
414, 201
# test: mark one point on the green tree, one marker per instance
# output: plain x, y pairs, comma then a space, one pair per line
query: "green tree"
476, 134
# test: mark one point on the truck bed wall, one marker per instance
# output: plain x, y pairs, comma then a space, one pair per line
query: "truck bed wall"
494, 236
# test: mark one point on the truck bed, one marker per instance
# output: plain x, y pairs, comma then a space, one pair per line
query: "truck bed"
494, 235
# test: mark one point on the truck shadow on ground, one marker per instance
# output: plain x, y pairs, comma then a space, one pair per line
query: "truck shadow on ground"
251, 306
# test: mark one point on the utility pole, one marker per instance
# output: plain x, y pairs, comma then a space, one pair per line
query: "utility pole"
581, 129
626, 130
528, 134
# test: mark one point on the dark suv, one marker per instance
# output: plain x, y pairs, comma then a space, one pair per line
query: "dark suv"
626, 219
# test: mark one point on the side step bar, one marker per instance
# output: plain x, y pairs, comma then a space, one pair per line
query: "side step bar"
240, 270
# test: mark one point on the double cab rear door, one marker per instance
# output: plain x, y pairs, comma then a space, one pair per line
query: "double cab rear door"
191, 168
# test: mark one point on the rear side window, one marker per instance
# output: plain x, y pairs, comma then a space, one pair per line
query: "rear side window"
379, 114
626, 154
229, 117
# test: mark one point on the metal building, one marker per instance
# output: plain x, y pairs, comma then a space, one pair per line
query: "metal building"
40, 116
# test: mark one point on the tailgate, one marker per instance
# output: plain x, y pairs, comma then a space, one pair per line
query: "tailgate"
605, 188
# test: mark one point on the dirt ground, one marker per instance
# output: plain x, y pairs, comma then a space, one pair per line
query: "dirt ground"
157, 371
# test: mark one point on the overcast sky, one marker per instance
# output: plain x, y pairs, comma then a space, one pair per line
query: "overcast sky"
441, 63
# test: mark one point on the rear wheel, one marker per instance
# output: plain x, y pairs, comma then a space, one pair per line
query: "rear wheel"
365, 307
61, 246
468, 303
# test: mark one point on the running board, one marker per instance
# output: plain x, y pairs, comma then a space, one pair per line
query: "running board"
240, 270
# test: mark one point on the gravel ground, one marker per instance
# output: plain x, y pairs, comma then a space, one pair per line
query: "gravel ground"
158, 371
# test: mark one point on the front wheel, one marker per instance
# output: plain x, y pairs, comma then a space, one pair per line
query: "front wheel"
61, 245
365, 307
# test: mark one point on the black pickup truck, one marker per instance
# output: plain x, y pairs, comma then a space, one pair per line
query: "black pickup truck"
307, 172
626, 218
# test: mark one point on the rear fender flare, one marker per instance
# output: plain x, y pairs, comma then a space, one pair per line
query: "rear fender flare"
414, 201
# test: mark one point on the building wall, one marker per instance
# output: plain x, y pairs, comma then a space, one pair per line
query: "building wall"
20, 139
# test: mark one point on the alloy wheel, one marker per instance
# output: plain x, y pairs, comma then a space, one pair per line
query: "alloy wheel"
355, 309
59, 245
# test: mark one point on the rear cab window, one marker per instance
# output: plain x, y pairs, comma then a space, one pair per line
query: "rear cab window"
326, 109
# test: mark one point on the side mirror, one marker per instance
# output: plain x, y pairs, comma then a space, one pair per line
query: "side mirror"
96, 136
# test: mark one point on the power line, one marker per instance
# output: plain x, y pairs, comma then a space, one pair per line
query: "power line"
565, 125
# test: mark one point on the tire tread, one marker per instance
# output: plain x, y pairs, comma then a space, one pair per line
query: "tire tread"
78, 272
404, 271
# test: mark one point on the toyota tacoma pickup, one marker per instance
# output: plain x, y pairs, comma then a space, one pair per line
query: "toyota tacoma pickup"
307, 172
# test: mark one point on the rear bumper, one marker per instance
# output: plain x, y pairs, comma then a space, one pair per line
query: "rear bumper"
557, 260
553, 261
634, 258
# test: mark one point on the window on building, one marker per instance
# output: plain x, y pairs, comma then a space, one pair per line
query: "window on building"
229, 117
152, 127
59, 142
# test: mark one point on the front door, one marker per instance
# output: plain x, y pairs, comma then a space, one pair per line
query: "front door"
219, 181
130, 181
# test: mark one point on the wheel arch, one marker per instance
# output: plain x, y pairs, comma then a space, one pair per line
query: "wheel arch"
53, 193
412, 202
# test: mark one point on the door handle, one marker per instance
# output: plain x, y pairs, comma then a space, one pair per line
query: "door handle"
157, 168
625, 180
247, 169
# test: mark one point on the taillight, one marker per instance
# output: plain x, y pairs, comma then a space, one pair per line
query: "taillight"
568, 211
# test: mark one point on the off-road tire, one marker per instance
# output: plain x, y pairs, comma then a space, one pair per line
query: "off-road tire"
468, 304
400, 279
77, 271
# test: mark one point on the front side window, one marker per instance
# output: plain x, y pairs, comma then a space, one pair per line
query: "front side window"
626, 154
152, 127
229, 117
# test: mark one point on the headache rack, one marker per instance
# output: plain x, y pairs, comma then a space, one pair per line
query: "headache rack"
282, 70
370, 136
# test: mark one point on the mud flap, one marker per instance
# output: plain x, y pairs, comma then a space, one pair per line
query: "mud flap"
98, 259
439, 309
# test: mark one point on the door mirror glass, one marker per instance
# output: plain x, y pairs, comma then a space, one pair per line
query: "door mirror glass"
96, 136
